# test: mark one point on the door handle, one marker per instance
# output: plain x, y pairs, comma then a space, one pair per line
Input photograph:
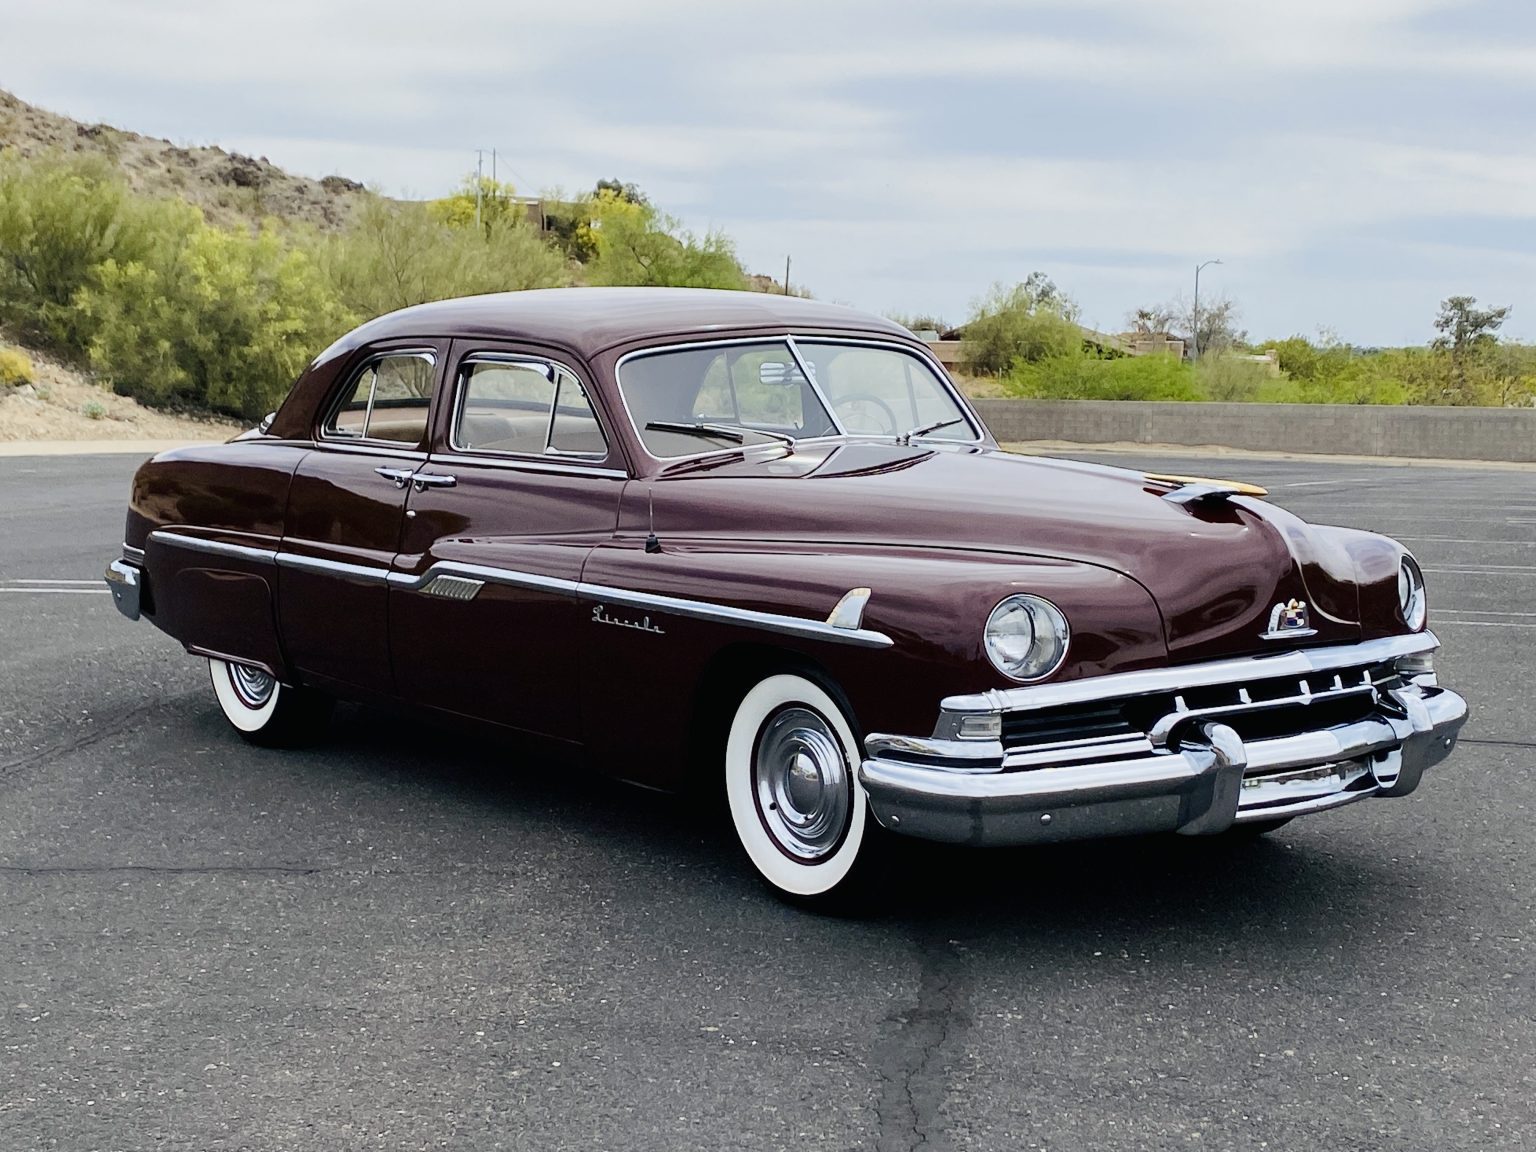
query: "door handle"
400, 476
425, 480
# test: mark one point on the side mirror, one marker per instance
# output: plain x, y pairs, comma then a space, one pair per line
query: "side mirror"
777, 372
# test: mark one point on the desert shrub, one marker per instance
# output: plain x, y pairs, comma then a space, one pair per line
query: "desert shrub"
399, 254
1083, 376
60, 219
1228, 377
15, 368
1015, 324
94, 410
216, 319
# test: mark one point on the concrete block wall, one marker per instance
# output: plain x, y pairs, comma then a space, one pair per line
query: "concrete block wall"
1507, 434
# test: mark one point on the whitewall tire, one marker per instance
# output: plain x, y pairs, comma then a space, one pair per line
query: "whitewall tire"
263, 710
791, 781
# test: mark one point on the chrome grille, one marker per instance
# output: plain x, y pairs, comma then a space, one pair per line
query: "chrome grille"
1258, 709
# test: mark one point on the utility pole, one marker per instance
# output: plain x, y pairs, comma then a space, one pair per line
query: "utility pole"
786, 275
480, 179
1194, 335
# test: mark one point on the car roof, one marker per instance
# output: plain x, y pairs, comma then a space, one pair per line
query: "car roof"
590, 320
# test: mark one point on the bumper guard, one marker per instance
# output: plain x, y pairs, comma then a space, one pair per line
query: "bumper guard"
1193, 773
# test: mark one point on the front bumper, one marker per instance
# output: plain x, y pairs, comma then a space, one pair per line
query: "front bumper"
1189, 770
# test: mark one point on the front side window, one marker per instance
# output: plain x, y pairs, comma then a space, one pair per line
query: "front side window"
388, 400
525, 408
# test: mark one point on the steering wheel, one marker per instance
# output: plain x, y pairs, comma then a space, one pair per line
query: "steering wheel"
869, 398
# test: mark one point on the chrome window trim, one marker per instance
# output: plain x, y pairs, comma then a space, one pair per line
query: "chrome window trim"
460, 394
972, 419
810, 378
1119, 685
530, 464
419, 353
372, 448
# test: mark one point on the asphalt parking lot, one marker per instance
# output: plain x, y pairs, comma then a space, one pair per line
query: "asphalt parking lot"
402, 941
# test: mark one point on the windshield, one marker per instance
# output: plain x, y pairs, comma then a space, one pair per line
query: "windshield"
884, 391
758, 390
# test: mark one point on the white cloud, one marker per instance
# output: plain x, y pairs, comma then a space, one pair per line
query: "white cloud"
905, 152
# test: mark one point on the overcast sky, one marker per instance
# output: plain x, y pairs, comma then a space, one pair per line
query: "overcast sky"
1351, 161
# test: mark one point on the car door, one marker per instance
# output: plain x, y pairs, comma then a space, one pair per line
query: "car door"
522, 482
345, 509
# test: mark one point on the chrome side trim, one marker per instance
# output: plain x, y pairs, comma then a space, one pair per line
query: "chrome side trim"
1122, 684
676, 606
133, 555
849, 612
364, 573
453, 587
768, 621
214, 547
405, 582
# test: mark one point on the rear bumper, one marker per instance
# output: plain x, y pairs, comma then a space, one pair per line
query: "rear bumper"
1203, 781
126, 582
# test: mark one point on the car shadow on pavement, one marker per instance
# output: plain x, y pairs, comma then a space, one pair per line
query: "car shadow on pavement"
1301, 878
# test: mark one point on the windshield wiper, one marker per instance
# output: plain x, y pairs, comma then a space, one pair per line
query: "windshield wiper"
908, 437
734, 433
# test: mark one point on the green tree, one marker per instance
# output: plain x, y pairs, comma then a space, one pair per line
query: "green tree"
1028, 322
636, 244
399, 254
61, 218
1467, 334
497, 204
214, 318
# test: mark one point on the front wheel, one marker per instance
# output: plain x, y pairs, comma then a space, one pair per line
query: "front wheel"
265, 711
791, 780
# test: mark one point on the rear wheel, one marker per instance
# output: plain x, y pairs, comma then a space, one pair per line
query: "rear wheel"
265, 711
791, 780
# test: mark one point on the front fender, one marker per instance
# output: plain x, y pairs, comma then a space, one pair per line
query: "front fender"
932, 604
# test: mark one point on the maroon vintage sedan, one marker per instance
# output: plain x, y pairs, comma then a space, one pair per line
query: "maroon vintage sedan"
764, 545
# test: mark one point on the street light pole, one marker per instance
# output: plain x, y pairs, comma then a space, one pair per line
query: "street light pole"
1194, 335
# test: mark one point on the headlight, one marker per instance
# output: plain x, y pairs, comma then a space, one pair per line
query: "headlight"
1026, 637
1410, 594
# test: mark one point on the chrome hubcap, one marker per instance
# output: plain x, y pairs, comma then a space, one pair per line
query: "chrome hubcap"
802, 783
253, 686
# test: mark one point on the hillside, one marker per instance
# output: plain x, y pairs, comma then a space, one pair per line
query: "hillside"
227, 186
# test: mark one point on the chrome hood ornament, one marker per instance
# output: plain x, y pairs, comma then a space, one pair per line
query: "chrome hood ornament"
1289, 620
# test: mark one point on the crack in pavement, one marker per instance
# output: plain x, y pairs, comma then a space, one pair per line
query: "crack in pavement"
912, 1057
96, 732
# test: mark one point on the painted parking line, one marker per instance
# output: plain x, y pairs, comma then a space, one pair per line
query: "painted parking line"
52, 587
1439, 620
1483, 569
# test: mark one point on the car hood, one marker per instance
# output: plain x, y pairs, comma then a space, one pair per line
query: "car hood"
1216, 567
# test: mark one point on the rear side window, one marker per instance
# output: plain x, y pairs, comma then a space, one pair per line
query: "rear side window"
525, 408
387, 400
